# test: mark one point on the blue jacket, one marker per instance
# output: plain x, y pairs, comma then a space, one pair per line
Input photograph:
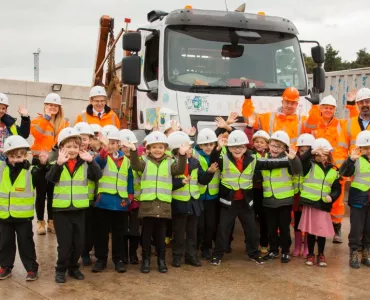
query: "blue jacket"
114, 202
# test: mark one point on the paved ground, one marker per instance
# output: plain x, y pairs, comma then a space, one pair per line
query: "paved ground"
236, 278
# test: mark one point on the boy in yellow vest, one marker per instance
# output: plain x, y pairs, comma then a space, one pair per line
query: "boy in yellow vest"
70, 174
16, 209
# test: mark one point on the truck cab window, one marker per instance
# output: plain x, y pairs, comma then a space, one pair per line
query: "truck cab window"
151, 61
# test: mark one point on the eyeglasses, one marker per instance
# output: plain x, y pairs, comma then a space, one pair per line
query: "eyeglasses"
272, 146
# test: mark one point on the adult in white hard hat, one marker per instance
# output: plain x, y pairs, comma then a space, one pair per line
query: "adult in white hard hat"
98, 112
45, 130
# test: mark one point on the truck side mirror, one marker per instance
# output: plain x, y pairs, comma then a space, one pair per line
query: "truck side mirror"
131, 41
318, 54
319, 79
131, 66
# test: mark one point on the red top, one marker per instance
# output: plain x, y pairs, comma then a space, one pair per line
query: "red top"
238, 195
186, 172
71, 165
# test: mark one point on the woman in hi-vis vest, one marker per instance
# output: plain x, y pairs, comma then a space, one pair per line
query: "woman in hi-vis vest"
45, 130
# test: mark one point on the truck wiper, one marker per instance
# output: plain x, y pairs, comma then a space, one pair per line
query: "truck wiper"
207, 88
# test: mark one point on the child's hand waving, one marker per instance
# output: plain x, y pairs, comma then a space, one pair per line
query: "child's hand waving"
292, 153
184, 148
62, 157
213, 168
355, 154
186, 180
43, 157
328, 199
86, 156
129, 145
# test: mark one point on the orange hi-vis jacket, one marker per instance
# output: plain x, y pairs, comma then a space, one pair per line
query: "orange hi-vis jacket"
45, 136
108, 118
354, 127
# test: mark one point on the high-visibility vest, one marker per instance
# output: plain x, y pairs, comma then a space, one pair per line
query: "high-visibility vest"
137, 186
277, 183
361, 178
214, 185
316, 184
297, 183
235, 180
188, 190
16, 200
72, 190
353, 129
13, 129
156, 181
113, 180
91, 189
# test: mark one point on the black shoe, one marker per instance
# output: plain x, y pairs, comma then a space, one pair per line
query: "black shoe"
353, 259
215, 261
162, 266
193, 261
99, 266
337, 239
31, 276
60, 277
285, 258
206, 254
5, 273
257, 259
271, 255
76, 274
145, 265
176, 261
366, 257
134, 260
120, 267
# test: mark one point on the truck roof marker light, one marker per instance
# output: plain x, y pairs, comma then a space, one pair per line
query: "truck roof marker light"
261, 13
127, 20
188, 7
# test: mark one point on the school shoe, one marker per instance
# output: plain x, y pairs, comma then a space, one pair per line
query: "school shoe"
86, 260
215, 261
257, 259
310, 261
193, 261
120, 267
206, 254
297, 243
41, 228
145, 265
176, 261
321, 261
337, 239
99, 266
162, 266
31, 276
353, 259
5, 273
366, 257
51, 227
134, 260
285, 258
76, 274
134, 245
60, 277
271, 255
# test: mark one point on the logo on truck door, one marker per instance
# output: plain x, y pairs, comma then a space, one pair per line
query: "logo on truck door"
197, 103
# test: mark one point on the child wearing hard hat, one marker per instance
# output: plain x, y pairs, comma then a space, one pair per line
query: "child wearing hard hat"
131, 238
206, 142
358, 166
304, 144
319, 189
16, 209
70, 174
237, 167
278, 193
156, 193
112, 201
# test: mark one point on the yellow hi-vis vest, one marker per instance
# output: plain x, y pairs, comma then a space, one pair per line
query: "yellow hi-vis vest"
235, 180
297, 183
113, 180
137, 185
361, 177
72, 189
91, 190
16, 200
156, 181
277, 183
214, 185
188, 190
316, 184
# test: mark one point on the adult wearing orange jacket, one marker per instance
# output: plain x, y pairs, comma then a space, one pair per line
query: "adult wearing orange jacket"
45, 130
98, 112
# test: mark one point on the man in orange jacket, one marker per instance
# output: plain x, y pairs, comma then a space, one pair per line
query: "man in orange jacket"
98, 112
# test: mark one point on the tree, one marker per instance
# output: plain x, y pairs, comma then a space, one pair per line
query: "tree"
332, 61
309, 63
362, 60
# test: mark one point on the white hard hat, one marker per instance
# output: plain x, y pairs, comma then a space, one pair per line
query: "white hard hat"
363, 94
237, 138
261, 134
84, 128
4, 99
178, 138
156, 137
96, 128
168, 125
66, 133
305, 139
111, 132
328, 100
128, 136
281, 136
53, 98
363, 139
322, 143
206, 136
15, 142
97, 91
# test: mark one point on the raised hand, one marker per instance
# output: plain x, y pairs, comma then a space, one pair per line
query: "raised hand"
190, 131
148, 126
220, 122
355, 154
233, 117
62, 157
129, 145
292, 153
86, 156
175, 126
315, 96
103, 140
213, 168
328, 199
351, 95
186, 180
247, 91
222, 142
47, 111
22, 111
43, 157
184, 148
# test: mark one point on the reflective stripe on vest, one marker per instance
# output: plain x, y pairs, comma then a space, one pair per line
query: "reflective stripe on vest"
188, 190
137, 187
156, 181
277, 183
72, 190
235, 180
113, 180
214, 184
361, 178
13, 129
16, 200
292, 139
317, 185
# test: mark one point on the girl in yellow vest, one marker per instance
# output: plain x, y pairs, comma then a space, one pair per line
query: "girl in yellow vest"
156, 193
16, 209
70, 174
319, 189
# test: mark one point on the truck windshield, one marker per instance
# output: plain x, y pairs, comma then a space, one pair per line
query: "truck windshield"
209, 58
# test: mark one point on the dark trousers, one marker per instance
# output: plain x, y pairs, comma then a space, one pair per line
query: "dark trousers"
70, 232
279, 219
207, 225
311, 240
228, 216
297, 218
261, 216
26, 245
184, 225
132, 235
155, 227
359, 234
110, 221
90, 229
44, 191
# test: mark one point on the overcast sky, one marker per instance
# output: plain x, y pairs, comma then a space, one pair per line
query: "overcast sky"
66, 31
